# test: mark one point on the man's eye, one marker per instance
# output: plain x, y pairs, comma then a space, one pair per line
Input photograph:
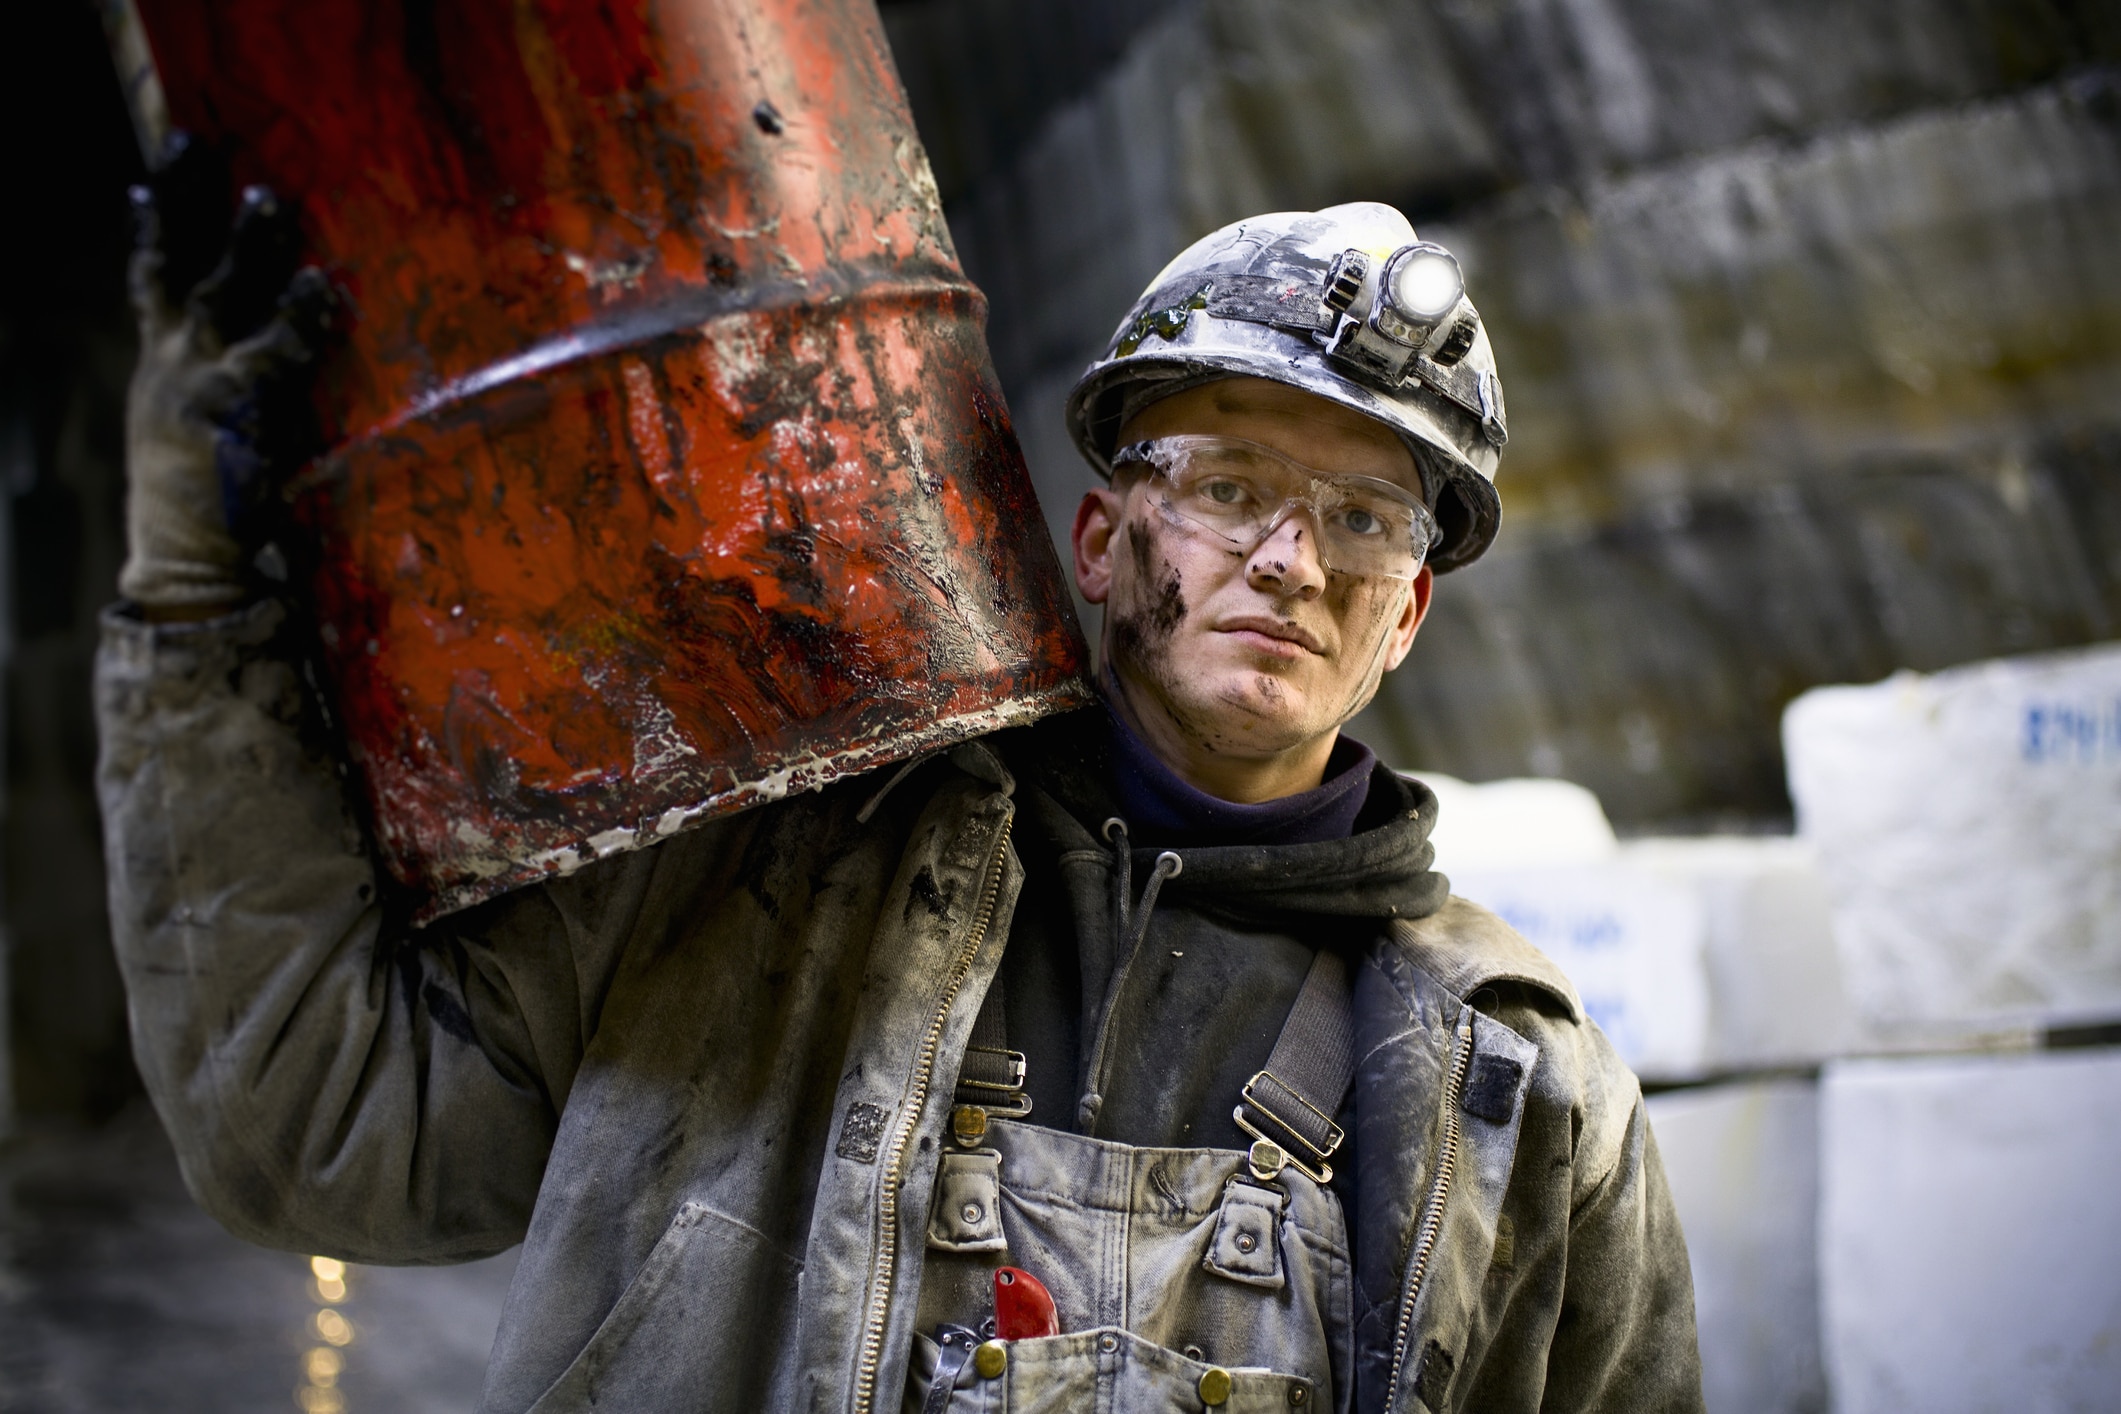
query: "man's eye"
1360, 521
1223, 493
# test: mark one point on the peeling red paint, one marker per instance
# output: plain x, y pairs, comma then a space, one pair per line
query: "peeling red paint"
670, 471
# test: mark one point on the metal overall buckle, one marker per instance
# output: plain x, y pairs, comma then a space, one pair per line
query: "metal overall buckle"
990, 1086
1298, 1121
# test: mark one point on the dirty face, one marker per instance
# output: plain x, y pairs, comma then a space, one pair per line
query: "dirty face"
1243, 665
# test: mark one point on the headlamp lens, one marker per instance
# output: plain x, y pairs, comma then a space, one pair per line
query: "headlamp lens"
1241, 491
1426, 283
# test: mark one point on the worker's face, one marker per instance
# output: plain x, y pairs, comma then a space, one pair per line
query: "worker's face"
1247, 653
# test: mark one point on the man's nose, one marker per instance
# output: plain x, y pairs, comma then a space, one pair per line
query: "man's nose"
1285, 562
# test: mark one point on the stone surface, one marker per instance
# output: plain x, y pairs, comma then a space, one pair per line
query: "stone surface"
1740, 315
1969, 1222
1969, 824
1578, 87
118, 1294
1743, 1160
983, 74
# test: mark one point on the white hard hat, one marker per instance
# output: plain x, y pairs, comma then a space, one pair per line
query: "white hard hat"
1346, 303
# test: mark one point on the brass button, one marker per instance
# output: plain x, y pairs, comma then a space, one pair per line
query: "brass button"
973, 1212
1266, 1159
1214, 1386
1298, 1394
1108, 1342
968, 1126
1246, 1242
990, 1359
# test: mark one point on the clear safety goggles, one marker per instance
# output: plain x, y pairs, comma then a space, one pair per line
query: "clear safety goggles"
1241, 492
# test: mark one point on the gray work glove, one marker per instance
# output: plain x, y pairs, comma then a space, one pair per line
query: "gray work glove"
218, 410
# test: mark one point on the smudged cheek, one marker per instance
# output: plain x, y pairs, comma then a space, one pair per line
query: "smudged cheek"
1148, 605
1161, 583
1365, 611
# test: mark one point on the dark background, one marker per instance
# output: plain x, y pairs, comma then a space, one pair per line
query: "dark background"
1809, 313
67, 153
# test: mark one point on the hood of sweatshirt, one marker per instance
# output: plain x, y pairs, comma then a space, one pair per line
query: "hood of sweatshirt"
1066, 767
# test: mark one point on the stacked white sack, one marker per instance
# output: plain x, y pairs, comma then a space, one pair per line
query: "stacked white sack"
1743, 1162
1696, 956
1542, 854
1967, 1229
1776, 997
1969, 826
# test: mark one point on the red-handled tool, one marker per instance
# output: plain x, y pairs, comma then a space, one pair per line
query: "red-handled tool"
1023, 1308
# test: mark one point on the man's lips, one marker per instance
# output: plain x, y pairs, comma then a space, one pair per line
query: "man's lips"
1294, 636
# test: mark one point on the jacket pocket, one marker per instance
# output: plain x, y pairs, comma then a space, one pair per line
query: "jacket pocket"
698, 1328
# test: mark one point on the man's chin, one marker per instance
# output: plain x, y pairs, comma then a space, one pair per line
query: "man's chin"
1262, 712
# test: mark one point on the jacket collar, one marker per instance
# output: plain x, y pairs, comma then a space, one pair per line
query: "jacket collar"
982, 762
1465, 947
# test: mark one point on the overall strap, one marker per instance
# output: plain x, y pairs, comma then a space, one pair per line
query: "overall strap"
990, 1080
1288, 1106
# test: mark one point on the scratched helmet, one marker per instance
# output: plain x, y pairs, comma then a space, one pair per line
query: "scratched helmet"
1346, 303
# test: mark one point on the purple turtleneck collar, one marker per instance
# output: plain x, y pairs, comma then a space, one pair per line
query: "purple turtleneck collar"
1162, 809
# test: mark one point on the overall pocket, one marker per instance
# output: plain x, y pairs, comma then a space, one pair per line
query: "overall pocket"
1120, 1372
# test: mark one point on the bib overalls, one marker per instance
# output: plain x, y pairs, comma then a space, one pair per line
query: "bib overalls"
1183, 1279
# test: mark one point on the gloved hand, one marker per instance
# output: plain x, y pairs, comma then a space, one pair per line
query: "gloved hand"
218, 410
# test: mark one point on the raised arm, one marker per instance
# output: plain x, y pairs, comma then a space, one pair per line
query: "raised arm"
332, 1081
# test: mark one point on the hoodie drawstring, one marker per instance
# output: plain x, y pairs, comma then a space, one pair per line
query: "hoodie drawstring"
1130, 925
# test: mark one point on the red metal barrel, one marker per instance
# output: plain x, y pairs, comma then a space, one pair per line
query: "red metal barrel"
671, 473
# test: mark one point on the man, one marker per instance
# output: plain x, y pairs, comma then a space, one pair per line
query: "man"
1135, 1059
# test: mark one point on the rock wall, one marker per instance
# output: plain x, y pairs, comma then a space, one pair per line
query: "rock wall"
1805, 310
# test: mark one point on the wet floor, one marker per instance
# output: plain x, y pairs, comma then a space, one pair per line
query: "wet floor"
118, 1294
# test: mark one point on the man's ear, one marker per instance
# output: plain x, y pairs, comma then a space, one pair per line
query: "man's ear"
1096, 525
1410, 615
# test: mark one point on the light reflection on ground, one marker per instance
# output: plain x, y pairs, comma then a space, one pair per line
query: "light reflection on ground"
117, 1293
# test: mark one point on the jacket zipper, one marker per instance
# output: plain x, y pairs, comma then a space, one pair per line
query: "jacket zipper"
923, 1074
1432, 1214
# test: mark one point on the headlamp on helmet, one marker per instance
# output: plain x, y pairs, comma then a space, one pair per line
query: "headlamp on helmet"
1386, 312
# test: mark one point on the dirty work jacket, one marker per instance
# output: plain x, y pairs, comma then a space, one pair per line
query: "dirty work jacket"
703, 1084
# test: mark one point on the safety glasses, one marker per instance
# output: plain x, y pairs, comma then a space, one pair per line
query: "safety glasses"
1241, 492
